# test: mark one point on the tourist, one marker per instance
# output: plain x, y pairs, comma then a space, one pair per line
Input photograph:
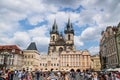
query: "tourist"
95, 76
19, 74
78, 75
37, 74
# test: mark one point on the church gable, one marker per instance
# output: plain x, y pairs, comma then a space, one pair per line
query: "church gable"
60, 42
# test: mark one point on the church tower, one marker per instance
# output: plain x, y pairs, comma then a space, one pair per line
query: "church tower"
53, 36
59, 42
69, 36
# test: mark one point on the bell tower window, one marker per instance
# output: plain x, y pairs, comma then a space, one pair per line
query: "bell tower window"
68, 37
53, 38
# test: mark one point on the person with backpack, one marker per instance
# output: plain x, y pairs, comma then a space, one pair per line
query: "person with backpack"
71, 75
78, 75
37, 73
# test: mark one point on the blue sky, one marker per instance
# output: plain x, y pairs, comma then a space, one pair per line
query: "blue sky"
26, 21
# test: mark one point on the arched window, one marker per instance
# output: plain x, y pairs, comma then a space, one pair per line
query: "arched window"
60, 49
53, 38
69, 37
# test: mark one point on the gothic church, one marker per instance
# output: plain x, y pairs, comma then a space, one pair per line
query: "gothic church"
59, 42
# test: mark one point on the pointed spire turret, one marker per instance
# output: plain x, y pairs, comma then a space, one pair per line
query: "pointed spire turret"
69, 27
68, 24
54, 27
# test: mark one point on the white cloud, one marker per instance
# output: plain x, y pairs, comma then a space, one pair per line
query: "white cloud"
94, 50
110, 10
98, 14
38, 31
90, 33
21, 38
38, 35
11, 12
34, 20
64, 3
77, 41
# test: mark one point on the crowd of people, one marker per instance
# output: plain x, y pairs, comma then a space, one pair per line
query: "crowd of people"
52, 75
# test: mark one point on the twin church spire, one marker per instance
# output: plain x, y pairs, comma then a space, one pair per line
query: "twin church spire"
59, 42
68, 28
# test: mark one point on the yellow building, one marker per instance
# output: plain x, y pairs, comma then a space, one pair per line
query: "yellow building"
31, 58
48, 62
74, 60
95, 62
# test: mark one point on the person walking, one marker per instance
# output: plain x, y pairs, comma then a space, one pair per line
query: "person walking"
71, 75
33, 75
95, 76
37, 73
10, 75
19, 74
78, 75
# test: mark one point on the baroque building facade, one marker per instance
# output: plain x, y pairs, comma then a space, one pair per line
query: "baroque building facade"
11, 56
48, 62
75, 60
109, 48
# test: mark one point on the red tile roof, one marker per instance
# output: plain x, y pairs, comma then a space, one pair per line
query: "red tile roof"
9, 48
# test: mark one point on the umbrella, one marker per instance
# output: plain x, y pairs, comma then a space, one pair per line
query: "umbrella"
116, 69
